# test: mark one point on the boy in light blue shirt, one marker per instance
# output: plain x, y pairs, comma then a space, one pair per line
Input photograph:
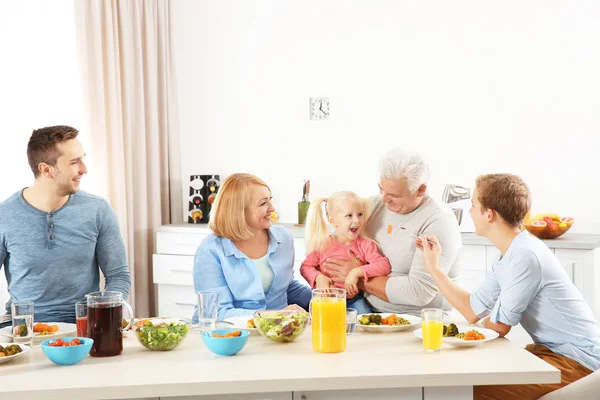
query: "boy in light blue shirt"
528, 286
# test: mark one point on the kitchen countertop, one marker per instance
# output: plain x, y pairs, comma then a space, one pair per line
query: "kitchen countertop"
371, 360
575, 241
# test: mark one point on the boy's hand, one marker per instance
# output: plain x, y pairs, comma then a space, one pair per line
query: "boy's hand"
431, 251
323, 282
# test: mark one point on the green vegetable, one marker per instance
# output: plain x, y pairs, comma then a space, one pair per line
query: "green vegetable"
11, 350
157, 334
450, 330
281, 327
23, 330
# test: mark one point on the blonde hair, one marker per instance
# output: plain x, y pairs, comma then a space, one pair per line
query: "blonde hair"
228, 213
317, 234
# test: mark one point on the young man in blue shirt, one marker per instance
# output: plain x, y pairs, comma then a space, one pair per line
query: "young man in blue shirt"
55, 238
528, 286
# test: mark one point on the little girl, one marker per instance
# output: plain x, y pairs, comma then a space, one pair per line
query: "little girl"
347, 213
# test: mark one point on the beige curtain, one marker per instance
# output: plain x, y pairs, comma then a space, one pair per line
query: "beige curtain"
130, 104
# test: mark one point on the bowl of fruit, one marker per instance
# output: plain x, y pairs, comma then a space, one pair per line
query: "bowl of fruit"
547, 226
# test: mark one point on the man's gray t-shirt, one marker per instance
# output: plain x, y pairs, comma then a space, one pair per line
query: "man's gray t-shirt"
410, 287
52, 258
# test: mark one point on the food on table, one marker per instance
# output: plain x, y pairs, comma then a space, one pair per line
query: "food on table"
20, 330
390, 229
161, 334
281, 327
470, 335
10, 350
274, 217
61, 343
450, 330
377, 319
44, 329
235, 333
251, 323
547, 226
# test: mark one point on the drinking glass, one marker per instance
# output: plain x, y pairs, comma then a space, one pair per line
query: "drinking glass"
351, 317
22, 322
432, 327
328, 315
208, 307
81, 316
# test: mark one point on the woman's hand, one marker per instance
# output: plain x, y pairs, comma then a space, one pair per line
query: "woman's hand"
431, 251
323, 282
351, 282
295, 307
339, 269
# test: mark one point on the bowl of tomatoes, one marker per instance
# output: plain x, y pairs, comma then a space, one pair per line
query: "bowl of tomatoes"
67, 350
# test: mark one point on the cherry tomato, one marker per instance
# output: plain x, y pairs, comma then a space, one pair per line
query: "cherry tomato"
75, 342
58, 342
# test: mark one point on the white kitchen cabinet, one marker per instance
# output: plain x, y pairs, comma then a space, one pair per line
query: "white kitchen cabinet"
582, 267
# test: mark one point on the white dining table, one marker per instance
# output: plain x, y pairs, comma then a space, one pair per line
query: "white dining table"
374, 366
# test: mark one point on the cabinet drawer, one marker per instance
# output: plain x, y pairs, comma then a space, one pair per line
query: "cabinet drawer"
176, 301
173, 270
472, 258
178, 243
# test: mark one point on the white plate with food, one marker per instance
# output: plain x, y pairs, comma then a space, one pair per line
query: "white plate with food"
380, 322
7, 351
245, 322
467, 336
63, 329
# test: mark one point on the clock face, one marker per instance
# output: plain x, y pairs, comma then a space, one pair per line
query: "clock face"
319, 108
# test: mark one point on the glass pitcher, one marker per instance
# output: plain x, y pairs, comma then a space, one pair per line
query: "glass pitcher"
328, 315
105, 316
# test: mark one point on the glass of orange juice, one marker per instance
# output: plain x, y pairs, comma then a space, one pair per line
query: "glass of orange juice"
328, 315
432, 327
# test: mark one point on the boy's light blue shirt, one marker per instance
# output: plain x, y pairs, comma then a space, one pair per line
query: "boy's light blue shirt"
52, 258
219, 266
530, 286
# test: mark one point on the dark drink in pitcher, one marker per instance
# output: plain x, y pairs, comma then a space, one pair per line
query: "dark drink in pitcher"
104, 326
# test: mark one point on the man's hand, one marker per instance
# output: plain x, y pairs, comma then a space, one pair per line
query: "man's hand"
431, 252
339, 269
323, 282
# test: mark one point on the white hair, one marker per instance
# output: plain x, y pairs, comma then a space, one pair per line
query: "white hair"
400, 164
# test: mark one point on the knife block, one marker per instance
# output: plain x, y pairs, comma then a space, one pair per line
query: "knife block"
302, 211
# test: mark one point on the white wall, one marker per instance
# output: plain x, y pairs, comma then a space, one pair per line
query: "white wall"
478, 87
39, 83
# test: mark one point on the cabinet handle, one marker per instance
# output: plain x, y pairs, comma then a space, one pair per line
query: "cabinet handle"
181, 303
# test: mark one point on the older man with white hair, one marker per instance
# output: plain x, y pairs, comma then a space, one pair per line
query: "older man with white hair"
403, 203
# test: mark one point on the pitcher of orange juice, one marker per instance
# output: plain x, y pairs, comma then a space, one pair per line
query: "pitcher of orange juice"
328, 315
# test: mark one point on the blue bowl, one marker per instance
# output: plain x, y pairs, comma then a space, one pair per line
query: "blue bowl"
225, 346
67, 355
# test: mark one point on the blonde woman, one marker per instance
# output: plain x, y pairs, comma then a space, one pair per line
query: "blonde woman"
247, 260
347, 213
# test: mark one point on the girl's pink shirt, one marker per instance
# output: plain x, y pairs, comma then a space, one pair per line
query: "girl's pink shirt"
375, 264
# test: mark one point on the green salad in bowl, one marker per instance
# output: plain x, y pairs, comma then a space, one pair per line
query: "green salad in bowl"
281, 326
161, 333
